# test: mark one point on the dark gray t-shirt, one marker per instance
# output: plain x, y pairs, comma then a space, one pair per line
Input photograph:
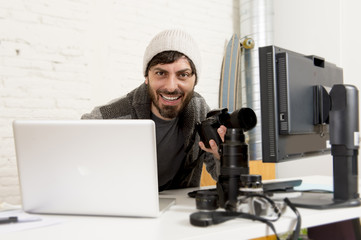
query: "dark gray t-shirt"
170, 150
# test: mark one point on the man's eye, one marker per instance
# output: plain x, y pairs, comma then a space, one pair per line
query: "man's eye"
159, 73
184, 75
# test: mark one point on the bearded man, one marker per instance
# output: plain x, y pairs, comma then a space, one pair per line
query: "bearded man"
171, 66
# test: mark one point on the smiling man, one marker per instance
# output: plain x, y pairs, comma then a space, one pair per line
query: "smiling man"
171, 66
170, 86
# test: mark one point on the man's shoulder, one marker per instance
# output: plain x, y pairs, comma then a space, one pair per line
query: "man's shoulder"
121, 107
126, 104
199, 101
197, 108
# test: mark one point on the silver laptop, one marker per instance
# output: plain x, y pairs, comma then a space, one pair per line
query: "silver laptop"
88, 167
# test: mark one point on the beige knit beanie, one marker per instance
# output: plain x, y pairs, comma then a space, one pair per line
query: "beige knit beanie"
173, 40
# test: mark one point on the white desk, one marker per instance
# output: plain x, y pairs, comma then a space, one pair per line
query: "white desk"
174, 224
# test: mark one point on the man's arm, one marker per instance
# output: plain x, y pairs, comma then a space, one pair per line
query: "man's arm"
94, 114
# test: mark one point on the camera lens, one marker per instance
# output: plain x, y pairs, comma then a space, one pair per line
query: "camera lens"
244, 118
206, 200
250, 181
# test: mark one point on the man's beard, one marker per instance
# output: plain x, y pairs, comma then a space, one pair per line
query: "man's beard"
166, 111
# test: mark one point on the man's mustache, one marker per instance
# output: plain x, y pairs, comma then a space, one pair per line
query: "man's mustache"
175, 92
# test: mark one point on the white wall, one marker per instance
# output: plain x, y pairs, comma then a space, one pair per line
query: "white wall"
121, 30
327, 28
58, 59
43, 71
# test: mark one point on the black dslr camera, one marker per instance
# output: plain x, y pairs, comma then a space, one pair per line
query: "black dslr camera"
244, 119
234, 179
233, 152
239, 193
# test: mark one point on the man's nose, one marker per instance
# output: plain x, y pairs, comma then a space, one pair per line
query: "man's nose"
172, 82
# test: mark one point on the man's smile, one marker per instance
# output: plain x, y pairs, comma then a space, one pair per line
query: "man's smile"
170, 98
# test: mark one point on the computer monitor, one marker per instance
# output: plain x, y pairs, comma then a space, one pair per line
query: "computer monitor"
306, 110
287, 81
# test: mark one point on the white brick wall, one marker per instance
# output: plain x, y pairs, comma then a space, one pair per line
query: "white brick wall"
43, 71
60, 58
130, 26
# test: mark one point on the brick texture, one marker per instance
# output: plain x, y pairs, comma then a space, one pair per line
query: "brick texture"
58, 59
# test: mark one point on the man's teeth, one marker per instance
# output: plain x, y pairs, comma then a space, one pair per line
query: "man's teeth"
170, 98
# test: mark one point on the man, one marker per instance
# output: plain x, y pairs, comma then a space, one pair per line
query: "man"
171, 67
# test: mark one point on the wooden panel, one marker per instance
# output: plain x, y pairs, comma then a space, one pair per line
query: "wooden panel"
273, 237
206, 178
266, 170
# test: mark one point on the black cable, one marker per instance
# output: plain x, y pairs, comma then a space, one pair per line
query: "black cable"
204, 219
315, 191
270, 201
256, 218
218, 217
297, 230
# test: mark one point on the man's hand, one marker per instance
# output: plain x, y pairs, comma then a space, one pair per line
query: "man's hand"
214, 148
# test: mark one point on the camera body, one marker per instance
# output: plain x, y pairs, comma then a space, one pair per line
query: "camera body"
243, 118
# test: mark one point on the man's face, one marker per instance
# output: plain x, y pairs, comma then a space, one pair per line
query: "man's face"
170, 87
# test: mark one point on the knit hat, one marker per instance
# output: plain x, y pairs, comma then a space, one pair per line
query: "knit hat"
173, 40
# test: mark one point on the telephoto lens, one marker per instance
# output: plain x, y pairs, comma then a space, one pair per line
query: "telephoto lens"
244, 118
234, 163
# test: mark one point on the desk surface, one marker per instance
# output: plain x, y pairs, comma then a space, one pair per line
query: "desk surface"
174, 223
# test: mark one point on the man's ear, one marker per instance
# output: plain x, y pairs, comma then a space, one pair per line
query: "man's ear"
146, 81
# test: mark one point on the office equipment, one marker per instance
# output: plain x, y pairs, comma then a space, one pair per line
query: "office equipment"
305, 111
12, 219
268, 186
16, 219
287, 81
175, 223
91, 167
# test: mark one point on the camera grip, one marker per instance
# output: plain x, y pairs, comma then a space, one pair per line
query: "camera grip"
208, 131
